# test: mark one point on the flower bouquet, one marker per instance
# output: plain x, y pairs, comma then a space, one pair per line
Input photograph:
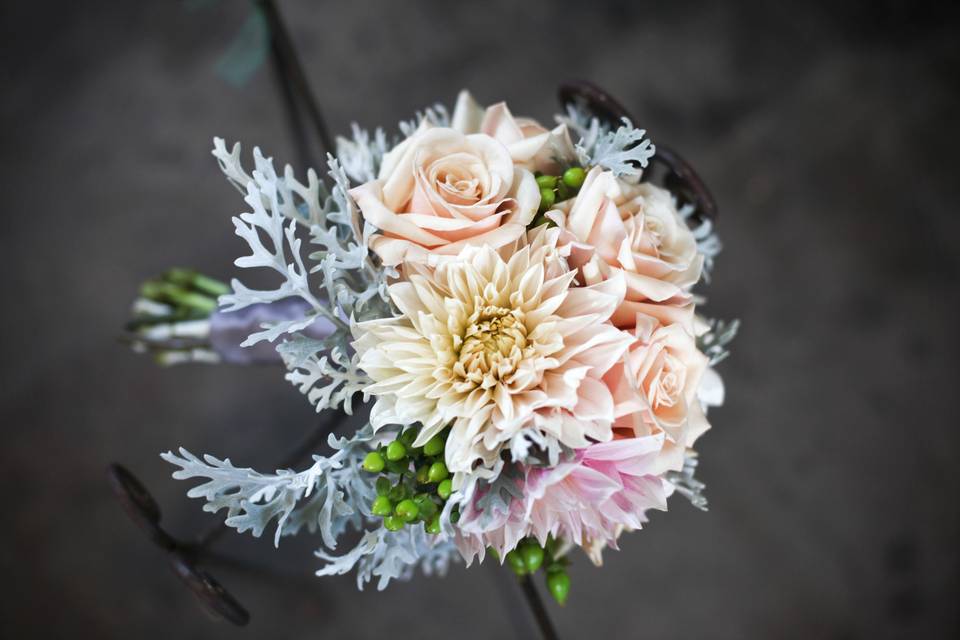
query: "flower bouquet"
514, 305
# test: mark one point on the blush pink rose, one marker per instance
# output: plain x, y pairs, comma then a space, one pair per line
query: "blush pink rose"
441, 190
657, 389
614, 226
530, 144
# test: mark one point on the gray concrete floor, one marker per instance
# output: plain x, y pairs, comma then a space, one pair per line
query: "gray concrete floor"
828, 134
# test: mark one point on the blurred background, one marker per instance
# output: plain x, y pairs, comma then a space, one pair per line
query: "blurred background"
828, 133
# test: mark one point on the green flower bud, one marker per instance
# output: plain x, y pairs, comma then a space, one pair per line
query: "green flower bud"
398, 466
445, 488
393, 523
574, 177
382, 506
434, 525
210, 286
383, 486
558, 583
515, 560
426, 505
547, 198
373, 462
407, 437
547, 182
434, 446
438, 472
408, 510
397, 493
396, 451
532, 556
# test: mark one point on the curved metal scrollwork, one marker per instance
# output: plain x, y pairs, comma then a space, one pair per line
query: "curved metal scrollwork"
679, 177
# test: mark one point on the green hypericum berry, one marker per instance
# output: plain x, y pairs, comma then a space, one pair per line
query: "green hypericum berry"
373, 462
574, 177
434, 525
493, 553
558, 583
515, 560
564, 192
547, 182
438, 472
547, 198
382, 506
423, 473
383, 486
393, 523
444, 489
408, 510
532, 556
396, 451
434, 446
455, 517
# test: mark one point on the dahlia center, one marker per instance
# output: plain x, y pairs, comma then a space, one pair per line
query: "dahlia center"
493, 344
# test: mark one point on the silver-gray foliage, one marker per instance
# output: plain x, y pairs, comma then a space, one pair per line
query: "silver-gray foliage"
624, 150
342, 283
325, 497
330, 497
389, 555
362, 153
686, 483
708, 242
713, 342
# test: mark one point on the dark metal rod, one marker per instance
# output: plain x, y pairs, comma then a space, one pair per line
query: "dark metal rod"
304, 156
185, 558
540, 614
505, 587
286, 54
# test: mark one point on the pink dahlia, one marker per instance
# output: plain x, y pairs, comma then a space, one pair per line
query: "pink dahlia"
606, 488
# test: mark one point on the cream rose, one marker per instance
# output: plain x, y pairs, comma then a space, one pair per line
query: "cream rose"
658, 387
614, 226
441, 190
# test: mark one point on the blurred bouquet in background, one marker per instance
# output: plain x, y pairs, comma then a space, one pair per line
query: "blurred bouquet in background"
513, 302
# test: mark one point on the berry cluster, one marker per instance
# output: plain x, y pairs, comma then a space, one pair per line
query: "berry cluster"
414, 482
529, 556
555, 189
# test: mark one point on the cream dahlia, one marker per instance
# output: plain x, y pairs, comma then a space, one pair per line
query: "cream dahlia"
491, 342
